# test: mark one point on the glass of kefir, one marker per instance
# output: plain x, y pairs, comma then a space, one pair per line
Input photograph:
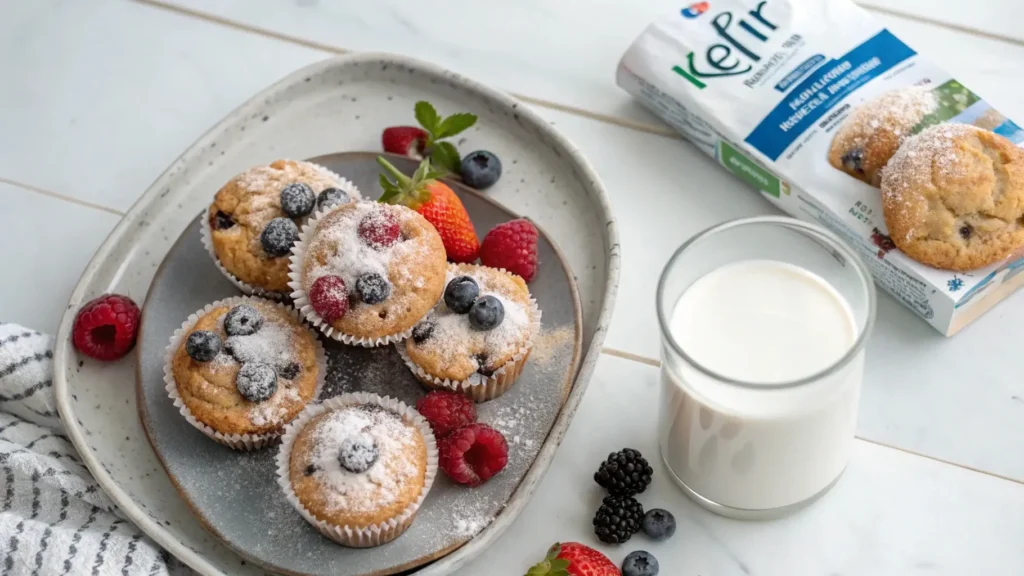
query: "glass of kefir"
763, 327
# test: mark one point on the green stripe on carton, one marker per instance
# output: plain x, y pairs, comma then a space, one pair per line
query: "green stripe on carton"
747, 170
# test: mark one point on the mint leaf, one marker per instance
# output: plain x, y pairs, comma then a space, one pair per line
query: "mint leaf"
428, 117
454, 124
444, 155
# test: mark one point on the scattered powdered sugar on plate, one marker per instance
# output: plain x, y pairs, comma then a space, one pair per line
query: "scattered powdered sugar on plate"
382, 483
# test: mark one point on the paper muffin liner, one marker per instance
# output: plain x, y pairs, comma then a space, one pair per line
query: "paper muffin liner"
376, 534
302, 302
244, 442
207, 236
479, 387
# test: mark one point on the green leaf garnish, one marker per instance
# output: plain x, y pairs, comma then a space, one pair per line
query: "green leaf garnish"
445, 155
428, 117
455, 124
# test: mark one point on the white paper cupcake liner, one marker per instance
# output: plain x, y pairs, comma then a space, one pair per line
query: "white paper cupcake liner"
301, 299
245, 442
376, 534
207, 237
479, 387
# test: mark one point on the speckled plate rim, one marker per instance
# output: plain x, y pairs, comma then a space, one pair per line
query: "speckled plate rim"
567, 386
590, 180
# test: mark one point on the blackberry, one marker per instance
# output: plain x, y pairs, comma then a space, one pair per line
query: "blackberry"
617, 519
297, 199
624, 473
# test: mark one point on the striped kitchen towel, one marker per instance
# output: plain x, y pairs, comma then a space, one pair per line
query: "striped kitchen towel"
55, 518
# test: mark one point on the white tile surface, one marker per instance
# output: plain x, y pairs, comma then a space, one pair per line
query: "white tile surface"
891, 513
999, 17
567, 51
47, 244
920, 392
108, 93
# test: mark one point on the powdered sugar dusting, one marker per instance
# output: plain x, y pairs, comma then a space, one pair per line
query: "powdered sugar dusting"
384, 481
453, 338
349, 256
919, 161
898, 111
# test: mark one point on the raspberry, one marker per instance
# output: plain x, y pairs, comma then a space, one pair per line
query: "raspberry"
329, 297
512, 246
472, 454
379, 229
446, 411
106, 327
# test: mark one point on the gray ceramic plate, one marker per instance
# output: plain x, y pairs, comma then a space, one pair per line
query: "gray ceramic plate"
235, 495
336, 104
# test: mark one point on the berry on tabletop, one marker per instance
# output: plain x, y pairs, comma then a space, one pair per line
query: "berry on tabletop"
574, 559
659, 524
617, 519
106, 327
625, 472
640, 563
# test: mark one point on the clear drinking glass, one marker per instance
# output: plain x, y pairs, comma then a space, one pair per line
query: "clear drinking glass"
753, 447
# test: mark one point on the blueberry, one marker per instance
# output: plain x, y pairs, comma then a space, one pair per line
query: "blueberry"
222, 220
297, 199
658, 524
422, 332
852, 160
203, 345
966, 231
279, 235
331, 197
358, 453
480, 169
256, 381
288, 370
373, 288
486, 313
311, 469
242, 320
640, 563
460, 294
481, 362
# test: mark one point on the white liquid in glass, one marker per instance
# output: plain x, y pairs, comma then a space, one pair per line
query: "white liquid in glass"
760, 322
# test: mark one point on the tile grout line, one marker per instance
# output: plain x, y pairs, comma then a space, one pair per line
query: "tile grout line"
657, 364
655, 129
57, 196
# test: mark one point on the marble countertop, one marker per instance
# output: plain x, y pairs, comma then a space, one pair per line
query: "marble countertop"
99, 97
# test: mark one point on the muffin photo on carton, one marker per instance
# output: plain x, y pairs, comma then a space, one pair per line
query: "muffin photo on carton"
953, 197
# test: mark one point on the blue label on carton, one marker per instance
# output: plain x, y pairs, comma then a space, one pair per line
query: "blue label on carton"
823, 89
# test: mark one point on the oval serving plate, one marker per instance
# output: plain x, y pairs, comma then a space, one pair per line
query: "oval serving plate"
338, 104
234, 493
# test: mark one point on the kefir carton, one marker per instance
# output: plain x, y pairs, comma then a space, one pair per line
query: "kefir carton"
765, 86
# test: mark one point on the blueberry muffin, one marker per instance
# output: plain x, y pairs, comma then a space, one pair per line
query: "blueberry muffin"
358, 467
255, 219
244, 367
478, 337
874, 130
953, 197
366, 273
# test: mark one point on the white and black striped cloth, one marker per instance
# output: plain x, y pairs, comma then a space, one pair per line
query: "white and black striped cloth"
55, 518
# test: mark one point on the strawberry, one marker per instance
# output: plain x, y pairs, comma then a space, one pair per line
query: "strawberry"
427, 141
436, 202
574, 559
512, 246
405, 140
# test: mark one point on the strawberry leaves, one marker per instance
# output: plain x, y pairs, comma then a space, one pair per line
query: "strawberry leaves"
443, 154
